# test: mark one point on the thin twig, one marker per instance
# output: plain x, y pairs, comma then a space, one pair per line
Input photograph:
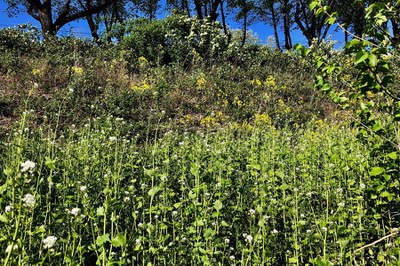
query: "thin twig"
395, 232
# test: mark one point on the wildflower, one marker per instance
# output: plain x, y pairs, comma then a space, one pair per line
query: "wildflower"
341, 204
324, 229
27, 166
127, 199
112, 138
248, 239
9, 247
174, 213
227, 241
231, 257
75, 211
9, 208
252, 211
29, 200
140, 225
275, 231
49, 242
83, 188
362, 185
308, 231
137, 241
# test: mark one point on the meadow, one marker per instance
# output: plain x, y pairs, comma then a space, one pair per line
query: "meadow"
162, 165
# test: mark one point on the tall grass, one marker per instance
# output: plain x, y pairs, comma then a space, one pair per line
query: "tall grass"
258, 196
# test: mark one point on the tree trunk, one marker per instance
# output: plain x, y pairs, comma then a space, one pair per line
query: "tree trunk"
223, 18
275, 26
244, 29
198, 8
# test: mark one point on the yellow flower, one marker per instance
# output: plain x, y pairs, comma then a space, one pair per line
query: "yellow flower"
77, 70
262, 119
201, 80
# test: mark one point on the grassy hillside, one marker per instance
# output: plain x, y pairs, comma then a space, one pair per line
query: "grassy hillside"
110, 160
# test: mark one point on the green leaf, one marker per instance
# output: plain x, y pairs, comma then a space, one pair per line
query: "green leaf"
393, 155
361, 56
100, 211
119, 240
8, 172
3, 219
224, 224
101, 240
313, 5
3, 188
330, 20
293, 260
376, 171
50, 163
373, 59
218, 205
153, 191
386, 194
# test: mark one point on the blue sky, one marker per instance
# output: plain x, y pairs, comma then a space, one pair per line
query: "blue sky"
81, 28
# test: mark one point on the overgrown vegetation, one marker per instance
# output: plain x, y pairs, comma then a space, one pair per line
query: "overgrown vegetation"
193, 151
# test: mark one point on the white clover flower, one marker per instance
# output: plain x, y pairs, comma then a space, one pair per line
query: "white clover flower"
27, 166
9, 247
29, 200
49, 242
9, 208
83, 188
112, 138
75, 211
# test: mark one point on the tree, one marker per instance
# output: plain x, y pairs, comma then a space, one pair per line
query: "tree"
54, 14
267, 11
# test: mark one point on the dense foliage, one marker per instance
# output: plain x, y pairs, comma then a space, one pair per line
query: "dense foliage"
199, 149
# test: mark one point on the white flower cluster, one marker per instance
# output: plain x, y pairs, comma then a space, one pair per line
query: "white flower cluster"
27, 166
248, 238
29, 200
49, 242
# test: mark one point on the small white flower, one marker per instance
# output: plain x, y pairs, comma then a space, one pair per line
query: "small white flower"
9, 208
29, 200
275, 231
249, 239
112, 138
49, 242
309, 194
324, 229
252, 211
362, 185
75, 211
137, 241
140, 225
71, 90
9, 247
27, 166
227, 240
83, 188
231, 257
341, 204
308, 231
339, 190
174, 213
218, 185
